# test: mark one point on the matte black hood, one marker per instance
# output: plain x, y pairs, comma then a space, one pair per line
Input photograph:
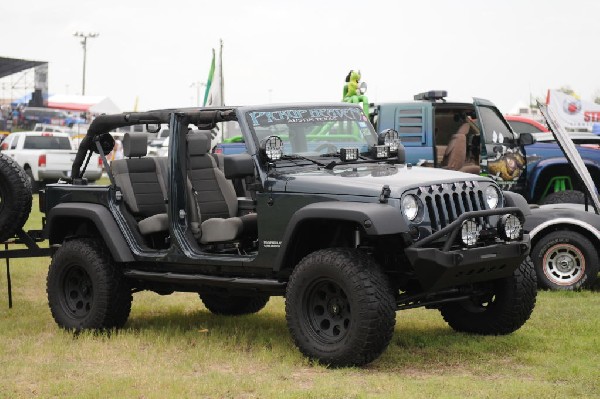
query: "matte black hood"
368, 179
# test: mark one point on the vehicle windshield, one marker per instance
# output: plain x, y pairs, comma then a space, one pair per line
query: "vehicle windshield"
316, 131
46, 143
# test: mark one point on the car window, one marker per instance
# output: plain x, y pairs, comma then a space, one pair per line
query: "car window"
14, 142
523, 127
494, 125
46, 143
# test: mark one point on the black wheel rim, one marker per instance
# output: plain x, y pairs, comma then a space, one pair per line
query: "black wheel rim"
327, 311
78, 292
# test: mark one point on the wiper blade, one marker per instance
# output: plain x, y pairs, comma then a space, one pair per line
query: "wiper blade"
300, 157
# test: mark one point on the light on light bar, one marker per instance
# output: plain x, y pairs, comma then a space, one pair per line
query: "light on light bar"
381, 151
348, 154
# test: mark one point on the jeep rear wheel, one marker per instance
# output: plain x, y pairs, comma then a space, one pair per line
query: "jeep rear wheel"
15, 197
565, 260
85, 288
504, 307
234, 305
340, 307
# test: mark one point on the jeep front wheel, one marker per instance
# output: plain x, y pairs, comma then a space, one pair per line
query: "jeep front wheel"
503, 306
234, 305
340, 307
85, 288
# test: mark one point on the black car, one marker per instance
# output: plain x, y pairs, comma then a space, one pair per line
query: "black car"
321, 210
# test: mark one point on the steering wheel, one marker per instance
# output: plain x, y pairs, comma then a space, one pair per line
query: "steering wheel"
327, 146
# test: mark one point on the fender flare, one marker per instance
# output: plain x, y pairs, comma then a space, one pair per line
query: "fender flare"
534, 174
375, 219
514, 199
100, 217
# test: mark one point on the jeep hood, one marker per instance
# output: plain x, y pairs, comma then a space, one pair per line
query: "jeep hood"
369, 179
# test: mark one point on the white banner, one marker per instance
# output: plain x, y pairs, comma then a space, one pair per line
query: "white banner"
572, 113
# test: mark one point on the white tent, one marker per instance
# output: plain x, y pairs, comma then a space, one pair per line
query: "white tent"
92, 104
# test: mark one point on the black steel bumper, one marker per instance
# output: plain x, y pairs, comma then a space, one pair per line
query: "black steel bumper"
442, 268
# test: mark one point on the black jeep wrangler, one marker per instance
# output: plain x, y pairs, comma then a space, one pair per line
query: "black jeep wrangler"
322, 211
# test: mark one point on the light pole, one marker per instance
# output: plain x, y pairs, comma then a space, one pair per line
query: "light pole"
84, 36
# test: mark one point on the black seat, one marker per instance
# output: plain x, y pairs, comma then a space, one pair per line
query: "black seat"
214, 201
144, 183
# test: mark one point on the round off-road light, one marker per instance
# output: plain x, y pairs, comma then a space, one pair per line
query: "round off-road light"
272, 148
390, 138
469, 232
492, 197
410, 207
510, 227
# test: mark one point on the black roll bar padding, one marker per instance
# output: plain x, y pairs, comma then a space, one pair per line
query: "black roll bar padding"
453, 228
105, 123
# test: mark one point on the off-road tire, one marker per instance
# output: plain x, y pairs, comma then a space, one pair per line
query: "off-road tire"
86, 289
510, 307
35, 186
340, 307
564, 197
234, 305
15, 197
565, 260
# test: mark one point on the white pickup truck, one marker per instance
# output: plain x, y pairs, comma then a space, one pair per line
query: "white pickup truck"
46, 157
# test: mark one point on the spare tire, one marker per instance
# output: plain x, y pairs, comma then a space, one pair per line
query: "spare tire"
15, 197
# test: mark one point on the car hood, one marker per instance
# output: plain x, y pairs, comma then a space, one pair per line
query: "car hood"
368, 180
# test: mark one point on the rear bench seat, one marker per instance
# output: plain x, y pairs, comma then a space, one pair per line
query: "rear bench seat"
144, 183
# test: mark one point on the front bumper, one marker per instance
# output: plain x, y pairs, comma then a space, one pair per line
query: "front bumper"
442, 268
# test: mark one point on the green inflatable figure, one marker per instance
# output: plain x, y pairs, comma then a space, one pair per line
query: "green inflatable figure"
353, 91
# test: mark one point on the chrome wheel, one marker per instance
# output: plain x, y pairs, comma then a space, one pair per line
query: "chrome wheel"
564, 264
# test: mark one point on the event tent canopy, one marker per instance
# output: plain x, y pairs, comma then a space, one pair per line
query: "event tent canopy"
93, 104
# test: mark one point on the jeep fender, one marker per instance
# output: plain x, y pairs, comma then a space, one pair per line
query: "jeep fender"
99, 216
513, 199
375, 220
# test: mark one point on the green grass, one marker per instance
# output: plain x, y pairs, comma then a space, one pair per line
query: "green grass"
173, 347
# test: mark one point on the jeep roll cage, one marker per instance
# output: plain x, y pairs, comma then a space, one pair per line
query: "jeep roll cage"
103, 124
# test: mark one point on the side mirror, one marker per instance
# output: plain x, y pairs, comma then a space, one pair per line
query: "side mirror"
526, 139
271, 148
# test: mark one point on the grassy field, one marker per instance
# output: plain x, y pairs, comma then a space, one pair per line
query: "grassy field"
173, 347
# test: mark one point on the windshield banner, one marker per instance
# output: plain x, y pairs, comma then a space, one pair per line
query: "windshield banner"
304, 115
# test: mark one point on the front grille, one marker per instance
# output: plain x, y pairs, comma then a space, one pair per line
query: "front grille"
444, 203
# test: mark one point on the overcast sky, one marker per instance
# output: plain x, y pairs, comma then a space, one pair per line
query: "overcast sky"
283, 51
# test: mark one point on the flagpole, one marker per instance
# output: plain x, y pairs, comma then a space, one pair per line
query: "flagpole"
221, 71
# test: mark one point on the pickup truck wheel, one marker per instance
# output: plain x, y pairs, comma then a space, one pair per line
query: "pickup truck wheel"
505, 307
563, 197
85, 288
234, 305
565, 260
15, 197
340, 307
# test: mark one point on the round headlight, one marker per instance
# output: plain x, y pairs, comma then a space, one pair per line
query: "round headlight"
410, 207
510, 227
469, 232
492, 197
